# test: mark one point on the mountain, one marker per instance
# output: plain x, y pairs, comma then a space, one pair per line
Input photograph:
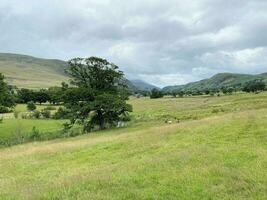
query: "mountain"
35, 73
218, 81
142, 85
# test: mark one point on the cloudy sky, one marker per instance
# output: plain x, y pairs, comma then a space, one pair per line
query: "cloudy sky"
163, 42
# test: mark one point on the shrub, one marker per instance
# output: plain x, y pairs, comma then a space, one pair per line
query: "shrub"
4, 109
16, 114
35, 134
31, 106
62, 113
46, 113
37, 114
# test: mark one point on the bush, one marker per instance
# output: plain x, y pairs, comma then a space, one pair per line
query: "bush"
35, 134
31, 106
46, 113
37, 114
62, 113
16, 114
4, 109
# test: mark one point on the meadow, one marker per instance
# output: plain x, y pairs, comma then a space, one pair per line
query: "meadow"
214, 148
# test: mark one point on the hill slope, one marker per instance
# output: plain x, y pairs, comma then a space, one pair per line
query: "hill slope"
30, 72
218, 81
142, 85
34, 73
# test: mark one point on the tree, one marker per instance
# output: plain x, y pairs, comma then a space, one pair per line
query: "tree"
228, 90
7, 100
181, 93
254, 86
31, 106
155, 93
25, 95
99, 96
41, 96
55, 94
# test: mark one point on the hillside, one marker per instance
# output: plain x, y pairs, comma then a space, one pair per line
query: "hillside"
142, 85
218, 81
30, 72
34, 73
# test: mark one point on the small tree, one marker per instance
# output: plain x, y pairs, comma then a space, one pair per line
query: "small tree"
181, 93
31, 106
155, 93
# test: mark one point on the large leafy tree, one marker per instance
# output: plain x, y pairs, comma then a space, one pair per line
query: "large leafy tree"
98, 96
6, 98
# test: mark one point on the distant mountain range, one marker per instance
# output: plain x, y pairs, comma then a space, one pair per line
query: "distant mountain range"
35, 73
218, 81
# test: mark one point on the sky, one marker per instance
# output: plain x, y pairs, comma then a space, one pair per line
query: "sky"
168, 42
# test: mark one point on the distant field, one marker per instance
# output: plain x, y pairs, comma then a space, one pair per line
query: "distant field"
218, 150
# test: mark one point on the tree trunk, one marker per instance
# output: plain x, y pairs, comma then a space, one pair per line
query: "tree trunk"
102, 124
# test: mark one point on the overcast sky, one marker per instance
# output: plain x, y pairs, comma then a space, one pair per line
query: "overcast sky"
163, 42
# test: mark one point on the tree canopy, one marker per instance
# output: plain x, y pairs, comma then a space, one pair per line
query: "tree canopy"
98, 95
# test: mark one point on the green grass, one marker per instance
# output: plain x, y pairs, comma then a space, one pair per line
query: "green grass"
217, 151
20, 126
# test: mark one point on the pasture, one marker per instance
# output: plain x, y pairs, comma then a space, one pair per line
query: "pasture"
215, 148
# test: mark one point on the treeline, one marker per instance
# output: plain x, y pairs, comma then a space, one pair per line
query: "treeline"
254, 86
53, 95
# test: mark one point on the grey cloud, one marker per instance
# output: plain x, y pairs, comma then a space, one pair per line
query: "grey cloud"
163, 42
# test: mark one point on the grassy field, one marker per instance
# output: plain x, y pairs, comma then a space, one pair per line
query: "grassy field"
217, 151
15, 129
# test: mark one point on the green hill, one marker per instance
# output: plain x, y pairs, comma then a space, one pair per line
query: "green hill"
218, 81
30, 72
34, 73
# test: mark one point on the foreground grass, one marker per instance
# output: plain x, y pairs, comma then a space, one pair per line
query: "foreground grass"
220, 157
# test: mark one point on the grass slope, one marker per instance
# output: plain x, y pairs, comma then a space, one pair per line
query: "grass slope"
221, 157
30, 72
221, 154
